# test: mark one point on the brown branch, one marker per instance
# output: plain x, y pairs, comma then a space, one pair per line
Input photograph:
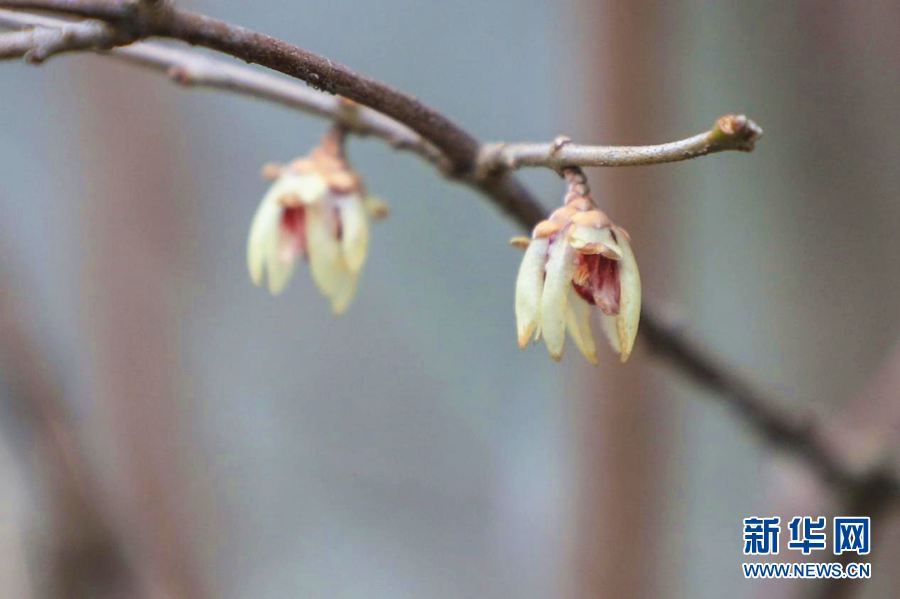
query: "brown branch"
464, 152
485, 168
460, 147
504, 192
869, 489
801, 433
192, 69
165, 21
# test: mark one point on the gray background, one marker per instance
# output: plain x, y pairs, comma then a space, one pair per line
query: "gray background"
409, 449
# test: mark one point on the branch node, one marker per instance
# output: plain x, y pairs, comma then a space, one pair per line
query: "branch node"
181, 75
558, 143
491, 159
736, 131
348, 116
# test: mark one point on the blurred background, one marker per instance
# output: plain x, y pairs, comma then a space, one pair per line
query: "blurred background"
169, 430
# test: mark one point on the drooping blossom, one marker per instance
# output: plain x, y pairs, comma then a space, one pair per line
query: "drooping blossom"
578, 260
317, 208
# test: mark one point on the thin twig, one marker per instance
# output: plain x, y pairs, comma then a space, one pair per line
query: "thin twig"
460, 147
53, 36
115, 10
38, 44
486, 169
192, 69
730, 132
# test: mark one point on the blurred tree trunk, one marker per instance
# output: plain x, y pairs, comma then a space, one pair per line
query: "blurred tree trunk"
622, 439
801, 243
71, 550
137, 228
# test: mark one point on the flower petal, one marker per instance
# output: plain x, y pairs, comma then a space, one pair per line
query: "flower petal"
578, 323
263, 228
264, 225
325, 260
589, 240
280, 263
345, 291
630, 301
554, 299
309, 187
529, 287
608, 324
354, 231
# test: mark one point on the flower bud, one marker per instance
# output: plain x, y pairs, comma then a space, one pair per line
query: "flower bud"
317, 208
578, 259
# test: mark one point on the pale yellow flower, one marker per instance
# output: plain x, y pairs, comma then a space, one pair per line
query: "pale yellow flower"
316, 208
575, 260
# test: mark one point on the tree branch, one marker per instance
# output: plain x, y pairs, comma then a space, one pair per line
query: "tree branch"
730, 132
461, 148
38, 44
504, 192
801, 433
192, 69
485, 168
106, 10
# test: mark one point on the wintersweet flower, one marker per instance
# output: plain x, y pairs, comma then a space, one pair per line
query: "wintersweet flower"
317, 208
577, 260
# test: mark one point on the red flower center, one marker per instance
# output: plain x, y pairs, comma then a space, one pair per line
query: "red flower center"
293, 225
597, 282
